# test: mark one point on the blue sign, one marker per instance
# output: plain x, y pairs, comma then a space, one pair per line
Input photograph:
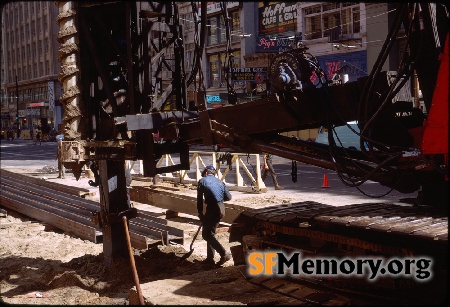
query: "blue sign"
353, 63
213, 99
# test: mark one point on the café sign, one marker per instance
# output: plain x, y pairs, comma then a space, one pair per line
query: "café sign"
277, 17
257, 74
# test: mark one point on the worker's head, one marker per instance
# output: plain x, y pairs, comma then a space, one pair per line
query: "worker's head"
209, 170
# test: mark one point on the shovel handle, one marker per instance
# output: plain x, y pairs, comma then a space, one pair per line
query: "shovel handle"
195, 236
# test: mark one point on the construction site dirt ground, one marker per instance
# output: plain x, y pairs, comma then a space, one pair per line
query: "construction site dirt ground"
43, 265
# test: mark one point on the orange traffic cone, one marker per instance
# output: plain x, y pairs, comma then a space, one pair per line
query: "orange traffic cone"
325, 181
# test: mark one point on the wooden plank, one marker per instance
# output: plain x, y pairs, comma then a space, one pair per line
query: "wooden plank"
178, 203
138, 241
163, 190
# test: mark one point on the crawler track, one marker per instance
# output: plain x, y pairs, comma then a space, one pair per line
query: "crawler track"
382, 230
73, 214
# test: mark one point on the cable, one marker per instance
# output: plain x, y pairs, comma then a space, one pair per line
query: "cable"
232, 97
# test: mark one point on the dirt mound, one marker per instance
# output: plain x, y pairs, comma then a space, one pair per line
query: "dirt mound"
51, 267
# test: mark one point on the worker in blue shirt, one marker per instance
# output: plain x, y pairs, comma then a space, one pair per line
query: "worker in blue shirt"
215, 193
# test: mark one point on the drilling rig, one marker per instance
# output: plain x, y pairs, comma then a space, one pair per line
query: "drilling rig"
124, 78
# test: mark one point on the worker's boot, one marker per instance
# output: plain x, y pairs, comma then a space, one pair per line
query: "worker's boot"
224, 259
209, 261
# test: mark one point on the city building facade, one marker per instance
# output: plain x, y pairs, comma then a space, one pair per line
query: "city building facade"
30, 88
215, 58
345, 37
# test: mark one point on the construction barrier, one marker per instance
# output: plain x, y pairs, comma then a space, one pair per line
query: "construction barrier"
235, 165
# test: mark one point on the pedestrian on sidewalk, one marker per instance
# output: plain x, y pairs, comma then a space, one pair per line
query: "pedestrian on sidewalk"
38, 138
10, 134
267, 168
215, 193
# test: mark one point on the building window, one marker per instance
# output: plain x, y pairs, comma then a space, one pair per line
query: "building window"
189, 56
216, 63
211, 25
214, 70
235, 25
216, 30
333, 20
188, 21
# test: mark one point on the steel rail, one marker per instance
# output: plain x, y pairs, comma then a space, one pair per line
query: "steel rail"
73, 214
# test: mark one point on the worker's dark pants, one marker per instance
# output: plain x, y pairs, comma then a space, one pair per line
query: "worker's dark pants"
271, 171
210, 224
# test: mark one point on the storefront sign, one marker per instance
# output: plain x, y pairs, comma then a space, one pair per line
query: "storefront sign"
214, 7
37, 104
277, 17
213, 99
257, 74
277, 45
34, 112
354, 64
